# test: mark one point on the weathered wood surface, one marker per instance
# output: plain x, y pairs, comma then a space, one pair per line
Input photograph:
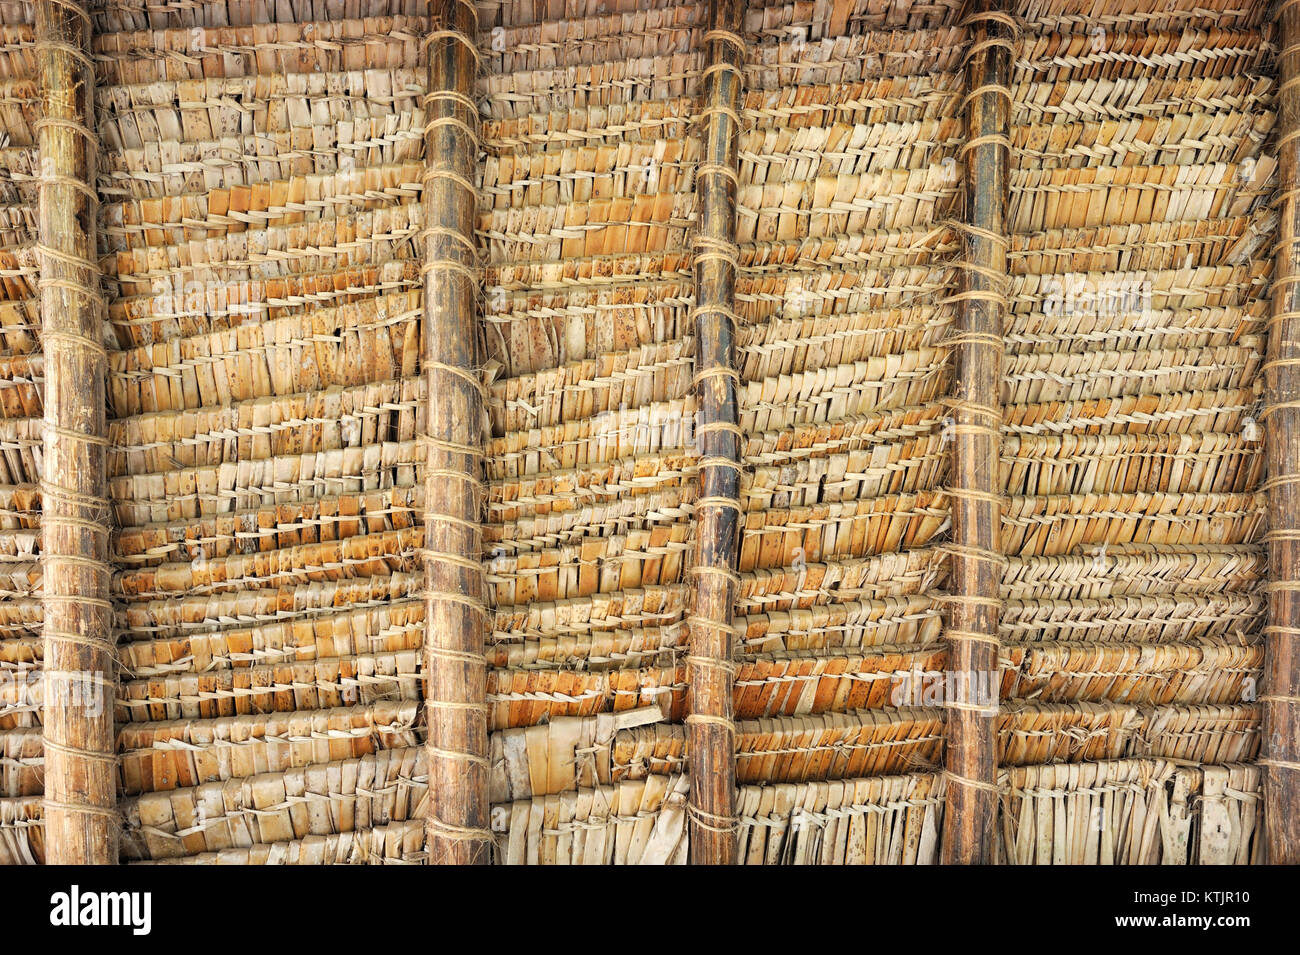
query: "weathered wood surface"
976, 558
711, 666
1281, 683
456, 615
81, 822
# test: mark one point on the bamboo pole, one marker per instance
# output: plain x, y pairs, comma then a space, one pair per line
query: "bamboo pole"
711, 722
976, 560
456, 599
1281, 697
81, 822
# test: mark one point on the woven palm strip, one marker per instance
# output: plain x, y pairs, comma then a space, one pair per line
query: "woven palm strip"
21, 384
885, 820
22, 836
400, 843
1032, 732
847, 173
634, 822
319, 799
156, 757
585, 214
260, 184
630, 822
1131, 458
1211, 670
1147, 619
572, 752
1131, 812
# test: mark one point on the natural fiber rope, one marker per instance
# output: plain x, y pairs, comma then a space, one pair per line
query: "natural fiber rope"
972, 494
90, 643
454, 833
435, 35
467, 272
76, 8
71, 434
454, 474
81, 186
981, 709
465, 374
699, 816
724, 111
729, 503
437, 704
721, 68
62, 46
457, 755
727, 573
459, 656
717, 461
727, 426
446, 557
974, 553
452, 122
67, 258
716, 169
477, 606
728, 667
726, 36
63, 123
707, 623
434, 518
109, 756
431, 172
970, 783
971, 636
1281, 764
716, 371
452, 447
82, 807
431, 232
704, 719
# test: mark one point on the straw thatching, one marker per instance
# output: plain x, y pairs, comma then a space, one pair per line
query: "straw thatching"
262, 239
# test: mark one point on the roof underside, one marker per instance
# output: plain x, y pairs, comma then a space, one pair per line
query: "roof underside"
260, 182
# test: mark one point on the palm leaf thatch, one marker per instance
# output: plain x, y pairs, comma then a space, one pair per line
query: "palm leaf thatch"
261, 179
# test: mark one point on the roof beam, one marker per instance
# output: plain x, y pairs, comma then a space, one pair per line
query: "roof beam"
78, 669
711, 727
976, 558
1281, 697
456, 598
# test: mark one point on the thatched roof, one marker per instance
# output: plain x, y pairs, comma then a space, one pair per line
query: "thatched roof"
260, 183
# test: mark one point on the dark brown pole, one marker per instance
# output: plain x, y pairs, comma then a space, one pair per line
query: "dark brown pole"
976, 558
711, 721
1281, 697
455, 584
81, 824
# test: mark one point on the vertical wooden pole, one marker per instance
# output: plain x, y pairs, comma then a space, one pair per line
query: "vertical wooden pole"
1281, 697
711, 721
456, 599
81, 824
976, 558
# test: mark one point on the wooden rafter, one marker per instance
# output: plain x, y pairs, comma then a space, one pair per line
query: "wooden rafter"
456, 614
81, 823
711, 722
976, 558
